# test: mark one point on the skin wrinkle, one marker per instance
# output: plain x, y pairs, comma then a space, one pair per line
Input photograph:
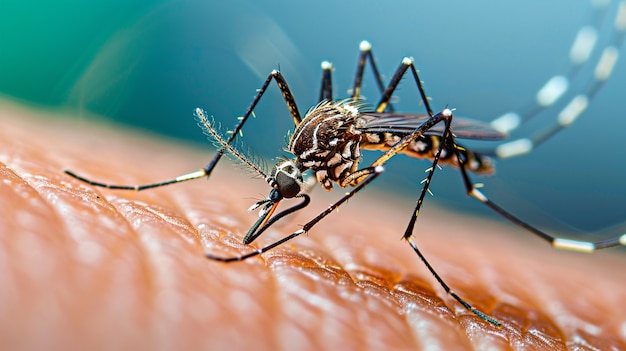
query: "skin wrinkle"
356, 284
70, 258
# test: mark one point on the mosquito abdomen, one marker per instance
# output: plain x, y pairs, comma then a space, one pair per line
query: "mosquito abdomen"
425, 147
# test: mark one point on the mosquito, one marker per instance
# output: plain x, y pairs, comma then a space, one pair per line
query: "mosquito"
328, 141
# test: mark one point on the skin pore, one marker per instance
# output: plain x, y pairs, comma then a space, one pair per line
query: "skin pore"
91, 268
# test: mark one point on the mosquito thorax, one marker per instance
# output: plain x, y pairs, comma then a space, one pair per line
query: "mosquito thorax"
286, 178
327, 141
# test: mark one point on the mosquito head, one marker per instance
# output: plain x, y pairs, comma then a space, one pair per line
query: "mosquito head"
286, 179
286, 182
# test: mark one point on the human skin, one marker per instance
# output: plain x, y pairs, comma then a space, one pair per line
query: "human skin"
91, 268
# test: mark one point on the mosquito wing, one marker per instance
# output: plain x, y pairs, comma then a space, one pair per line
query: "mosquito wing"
395, 122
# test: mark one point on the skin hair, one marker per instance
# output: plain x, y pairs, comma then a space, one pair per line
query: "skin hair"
90, 268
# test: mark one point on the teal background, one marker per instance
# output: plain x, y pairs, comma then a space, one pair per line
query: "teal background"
148, 64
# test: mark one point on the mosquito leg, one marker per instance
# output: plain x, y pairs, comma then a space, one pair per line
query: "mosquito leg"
426, 188
407, 63
557, 86
326, 88
568, 114
408, 234
446, 117
449, 291
365, 49
189, 176
206, 172
287, 96
365, 54
558, 243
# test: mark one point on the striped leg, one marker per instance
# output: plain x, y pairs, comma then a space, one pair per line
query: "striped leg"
365, 55
558, 243
557, 87
206, 171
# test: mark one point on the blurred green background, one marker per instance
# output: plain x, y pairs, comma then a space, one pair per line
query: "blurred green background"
148, 64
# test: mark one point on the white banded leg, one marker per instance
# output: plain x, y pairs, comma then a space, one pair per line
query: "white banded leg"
557, 86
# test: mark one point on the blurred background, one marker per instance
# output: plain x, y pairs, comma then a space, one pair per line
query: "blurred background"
148, 64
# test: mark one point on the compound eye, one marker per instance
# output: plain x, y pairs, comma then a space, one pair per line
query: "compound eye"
288, 185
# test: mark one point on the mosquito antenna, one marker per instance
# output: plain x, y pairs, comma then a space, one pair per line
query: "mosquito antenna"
212, 132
